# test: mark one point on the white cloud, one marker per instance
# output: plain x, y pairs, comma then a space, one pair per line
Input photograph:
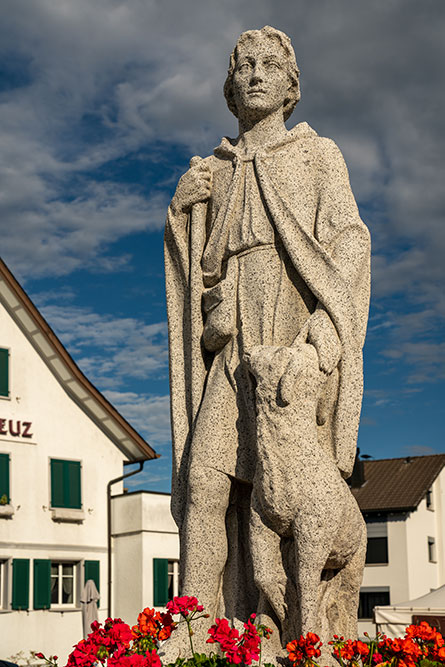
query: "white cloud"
150, 415
426, 358
110, 350
109, 78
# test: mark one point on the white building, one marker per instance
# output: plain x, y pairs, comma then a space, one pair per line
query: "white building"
61, 443
403, 502
145, 535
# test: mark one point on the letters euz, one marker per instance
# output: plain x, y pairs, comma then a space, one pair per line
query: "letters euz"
7, 428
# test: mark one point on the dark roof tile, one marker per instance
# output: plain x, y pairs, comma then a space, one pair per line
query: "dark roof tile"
397, 484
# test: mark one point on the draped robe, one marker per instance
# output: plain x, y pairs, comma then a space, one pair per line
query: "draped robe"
304, 187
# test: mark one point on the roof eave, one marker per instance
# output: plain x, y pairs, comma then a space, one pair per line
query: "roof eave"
63, 366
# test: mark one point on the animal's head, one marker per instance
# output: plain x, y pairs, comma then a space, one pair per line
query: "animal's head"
278, 368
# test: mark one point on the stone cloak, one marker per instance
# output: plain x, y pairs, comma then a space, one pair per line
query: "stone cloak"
317, 219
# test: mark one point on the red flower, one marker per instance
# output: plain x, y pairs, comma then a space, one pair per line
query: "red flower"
120, 633
148, 622
422, 631
84, 654
153, 624
153, 659
223, 634
236, 648
304, 648
184, 605
405, 652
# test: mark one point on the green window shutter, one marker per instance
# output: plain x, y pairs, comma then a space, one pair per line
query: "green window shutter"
72, 484
160, 582
92, 571
65, 484
4, 475
20, 583
42, 583
57, 467
4, 372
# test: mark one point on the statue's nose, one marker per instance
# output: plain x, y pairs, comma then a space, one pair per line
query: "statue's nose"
257, 75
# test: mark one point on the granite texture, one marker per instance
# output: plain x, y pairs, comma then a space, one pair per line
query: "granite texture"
267, 275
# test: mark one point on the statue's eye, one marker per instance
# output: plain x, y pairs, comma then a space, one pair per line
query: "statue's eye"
244, 67
271, 64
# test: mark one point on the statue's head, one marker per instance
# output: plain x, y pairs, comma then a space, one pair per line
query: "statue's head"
273, 41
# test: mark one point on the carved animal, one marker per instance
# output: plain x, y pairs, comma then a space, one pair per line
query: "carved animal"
299, 499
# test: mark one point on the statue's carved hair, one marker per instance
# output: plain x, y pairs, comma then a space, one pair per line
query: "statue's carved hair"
292, 67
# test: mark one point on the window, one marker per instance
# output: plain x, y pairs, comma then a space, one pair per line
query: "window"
429, 500
377, 550
432, 550
165, 580
63, 584
173, 579
370, 599
4, 479
65, 484
4, 372
57, 583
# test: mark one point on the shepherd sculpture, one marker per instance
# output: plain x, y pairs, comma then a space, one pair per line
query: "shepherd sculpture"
267, 260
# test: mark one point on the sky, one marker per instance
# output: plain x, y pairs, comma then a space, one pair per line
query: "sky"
102, 105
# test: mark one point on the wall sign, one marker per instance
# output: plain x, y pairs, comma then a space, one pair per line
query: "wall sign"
15, 428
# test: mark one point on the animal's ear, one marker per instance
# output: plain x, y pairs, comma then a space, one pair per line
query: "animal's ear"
288, 381
249, 360
286, 385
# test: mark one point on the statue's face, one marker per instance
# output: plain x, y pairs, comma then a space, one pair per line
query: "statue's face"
260, 80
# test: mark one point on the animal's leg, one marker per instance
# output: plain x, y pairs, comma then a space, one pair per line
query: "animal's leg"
269, 574
311, 553
344, 619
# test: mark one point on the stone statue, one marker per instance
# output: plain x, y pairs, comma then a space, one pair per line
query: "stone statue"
267, 273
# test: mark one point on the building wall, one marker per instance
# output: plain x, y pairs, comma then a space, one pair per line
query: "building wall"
394, 574
60, 429
409, 573
143, 529
423, 576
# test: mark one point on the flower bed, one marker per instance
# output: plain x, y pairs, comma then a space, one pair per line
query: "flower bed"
117, 645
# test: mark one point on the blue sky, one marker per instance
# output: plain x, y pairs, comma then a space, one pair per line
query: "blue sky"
103, 103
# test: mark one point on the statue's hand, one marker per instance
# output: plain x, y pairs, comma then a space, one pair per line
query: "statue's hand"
322, 334
193, 187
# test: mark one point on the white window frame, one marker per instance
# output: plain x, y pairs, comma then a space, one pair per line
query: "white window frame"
429, 500
5, 583
173, 571
432, 553
60, 563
